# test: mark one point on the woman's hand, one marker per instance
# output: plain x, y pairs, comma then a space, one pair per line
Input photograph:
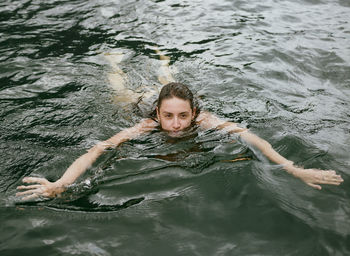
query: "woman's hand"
40, 187
314, 177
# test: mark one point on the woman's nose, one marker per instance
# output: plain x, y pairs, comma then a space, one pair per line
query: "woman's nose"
176, 123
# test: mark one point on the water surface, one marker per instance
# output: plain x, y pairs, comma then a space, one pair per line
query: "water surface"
281, 68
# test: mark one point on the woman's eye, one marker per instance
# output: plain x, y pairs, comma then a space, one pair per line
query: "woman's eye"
183, 116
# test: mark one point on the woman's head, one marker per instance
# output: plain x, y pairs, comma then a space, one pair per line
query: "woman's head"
175, 108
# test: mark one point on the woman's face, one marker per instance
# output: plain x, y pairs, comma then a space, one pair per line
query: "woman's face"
175, 115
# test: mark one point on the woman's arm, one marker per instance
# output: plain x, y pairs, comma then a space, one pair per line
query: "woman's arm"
43, 187
312, 177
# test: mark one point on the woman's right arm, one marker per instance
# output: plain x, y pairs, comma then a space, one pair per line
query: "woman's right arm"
41, 187
312, 177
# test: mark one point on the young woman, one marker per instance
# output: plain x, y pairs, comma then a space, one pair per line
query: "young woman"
175, 113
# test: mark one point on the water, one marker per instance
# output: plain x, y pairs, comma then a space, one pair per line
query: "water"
282, 68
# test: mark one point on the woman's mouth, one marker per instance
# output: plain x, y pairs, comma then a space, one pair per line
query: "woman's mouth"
175, 133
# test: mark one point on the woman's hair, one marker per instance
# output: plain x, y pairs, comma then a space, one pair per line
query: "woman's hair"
177, 90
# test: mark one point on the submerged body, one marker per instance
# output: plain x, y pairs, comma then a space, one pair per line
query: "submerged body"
176, 112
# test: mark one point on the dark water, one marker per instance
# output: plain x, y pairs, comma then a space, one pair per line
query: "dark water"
282, 68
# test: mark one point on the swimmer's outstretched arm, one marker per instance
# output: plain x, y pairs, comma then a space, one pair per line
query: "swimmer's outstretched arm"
41, 187
312, 177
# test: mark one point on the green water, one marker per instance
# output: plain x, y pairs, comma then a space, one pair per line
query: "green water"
281, 68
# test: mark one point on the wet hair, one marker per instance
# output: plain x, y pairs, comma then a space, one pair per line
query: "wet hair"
177, 90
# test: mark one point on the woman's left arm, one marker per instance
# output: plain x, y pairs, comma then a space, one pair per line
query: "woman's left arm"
312, 177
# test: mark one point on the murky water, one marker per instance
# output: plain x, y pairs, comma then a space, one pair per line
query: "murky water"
282, 68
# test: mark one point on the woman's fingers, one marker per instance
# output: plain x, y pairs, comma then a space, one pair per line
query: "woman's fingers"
315, 186
328, 182
41, 188
28, 187
333, 180
42, 181
31, 191
31, 197
315, 177
39, 191
329, 177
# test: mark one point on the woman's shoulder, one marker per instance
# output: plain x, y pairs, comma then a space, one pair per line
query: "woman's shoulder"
208, 120
148, 124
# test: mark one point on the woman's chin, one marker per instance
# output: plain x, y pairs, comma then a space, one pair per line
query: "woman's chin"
175, 134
